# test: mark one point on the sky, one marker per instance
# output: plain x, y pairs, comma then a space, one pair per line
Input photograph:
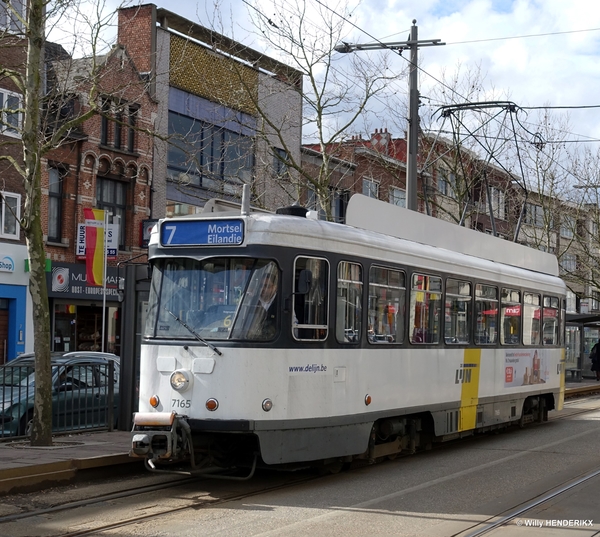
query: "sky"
536, 53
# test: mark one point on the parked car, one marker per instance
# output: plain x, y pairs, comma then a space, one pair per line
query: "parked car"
81, 391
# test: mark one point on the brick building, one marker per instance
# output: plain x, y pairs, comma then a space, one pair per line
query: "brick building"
15, 302
181, 117
104, 163
378, 171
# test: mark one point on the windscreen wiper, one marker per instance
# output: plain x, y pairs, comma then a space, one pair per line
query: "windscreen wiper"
194, 333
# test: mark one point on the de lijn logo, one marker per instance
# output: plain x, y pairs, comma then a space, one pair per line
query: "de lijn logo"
7, 264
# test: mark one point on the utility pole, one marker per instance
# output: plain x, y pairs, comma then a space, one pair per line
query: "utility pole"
412, 135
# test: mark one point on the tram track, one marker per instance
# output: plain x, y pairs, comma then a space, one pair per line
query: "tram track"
519, 513
193, 503
126, 493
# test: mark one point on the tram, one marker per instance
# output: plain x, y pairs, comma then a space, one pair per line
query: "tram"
280, 339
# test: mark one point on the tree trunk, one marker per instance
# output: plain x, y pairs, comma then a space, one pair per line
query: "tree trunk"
41, 434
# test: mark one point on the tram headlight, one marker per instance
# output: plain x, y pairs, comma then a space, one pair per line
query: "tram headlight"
267, 404
180, 380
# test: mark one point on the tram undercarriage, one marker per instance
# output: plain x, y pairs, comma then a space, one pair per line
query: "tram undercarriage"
167, 442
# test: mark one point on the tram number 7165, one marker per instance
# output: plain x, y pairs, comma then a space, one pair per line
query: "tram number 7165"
181, 403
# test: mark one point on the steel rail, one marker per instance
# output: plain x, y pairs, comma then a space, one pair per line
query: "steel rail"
516, 512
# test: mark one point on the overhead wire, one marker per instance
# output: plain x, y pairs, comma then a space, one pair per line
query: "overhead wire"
442, 83
431, 76
453, 90
332, 68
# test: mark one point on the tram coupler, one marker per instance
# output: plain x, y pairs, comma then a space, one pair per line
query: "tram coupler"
160, 436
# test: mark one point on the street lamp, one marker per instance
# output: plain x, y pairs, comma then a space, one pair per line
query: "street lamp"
412, 136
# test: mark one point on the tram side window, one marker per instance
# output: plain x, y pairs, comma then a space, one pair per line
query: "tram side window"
387, 297
532, 318
486, 313
310, 308
510, 317
457, 328
349, 303
425, 308
551, 326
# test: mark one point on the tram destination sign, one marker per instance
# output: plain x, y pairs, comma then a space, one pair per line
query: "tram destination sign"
202, 233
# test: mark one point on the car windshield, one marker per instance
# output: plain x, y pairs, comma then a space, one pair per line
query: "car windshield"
217, 298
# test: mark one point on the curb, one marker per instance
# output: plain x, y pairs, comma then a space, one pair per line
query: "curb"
14, 480
573, 391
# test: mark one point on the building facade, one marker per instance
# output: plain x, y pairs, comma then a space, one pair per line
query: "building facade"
225, 112
104, 163
15, 303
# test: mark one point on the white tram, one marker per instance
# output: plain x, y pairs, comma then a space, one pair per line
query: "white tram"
281, 340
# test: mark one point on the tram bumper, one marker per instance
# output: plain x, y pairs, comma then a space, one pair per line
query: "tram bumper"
160, 436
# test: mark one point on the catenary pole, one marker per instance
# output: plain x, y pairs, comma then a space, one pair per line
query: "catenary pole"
412, 134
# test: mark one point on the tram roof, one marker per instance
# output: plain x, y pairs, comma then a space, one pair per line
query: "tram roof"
381, 217
384, 219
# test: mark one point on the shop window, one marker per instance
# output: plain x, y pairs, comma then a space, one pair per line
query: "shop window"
387, 294
65, 324
425, 309
458, 312
349, 302
510, 317
486, 313
311, 307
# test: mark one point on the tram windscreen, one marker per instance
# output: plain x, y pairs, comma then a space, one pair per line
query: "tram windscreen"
217, 298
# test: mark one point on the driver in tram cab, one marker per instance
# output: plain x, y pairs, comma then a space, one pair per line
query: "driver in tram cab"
266, 319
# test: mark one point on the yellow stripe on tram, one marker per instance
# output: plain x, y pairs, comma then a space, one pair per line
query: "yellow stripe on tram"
562, 366
469, 397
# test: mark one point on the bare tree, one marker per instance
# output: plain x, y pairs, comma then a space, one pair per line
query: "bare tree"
49, 115
335, 93
467, 138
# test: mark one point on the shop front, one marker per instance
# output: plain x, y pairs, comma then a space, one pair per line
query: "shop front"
81, 319
16, 321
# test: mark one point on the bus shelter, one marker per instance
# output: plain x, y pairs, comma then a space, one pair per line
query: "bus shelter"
582, 332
